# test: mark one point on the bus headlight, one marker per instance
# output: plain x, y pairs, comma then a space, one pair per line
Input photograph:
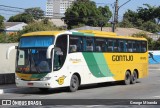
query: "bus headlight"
17, 78
45, 78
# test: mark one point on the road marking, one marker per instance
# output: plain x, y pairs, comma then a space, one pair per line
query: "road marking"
91, 106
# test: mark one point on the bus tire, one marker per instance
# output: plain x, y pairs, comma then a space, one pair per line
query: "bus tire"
134, 77
127, 79
43, 89
74, 83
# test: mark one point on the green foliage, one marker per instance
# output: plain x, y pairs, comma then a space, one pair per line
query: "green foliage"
126, 24
1, 22
85, 12
27, 18
145, 18
39, 26
36, 13
43, 25
5, 38
150, 27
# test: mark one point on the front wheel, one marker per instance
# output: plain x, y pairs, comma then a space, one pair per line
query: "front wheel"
74, 84
134, 77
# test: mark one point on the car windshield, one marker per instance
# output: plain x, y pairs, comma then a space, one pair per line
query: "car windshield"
33, 61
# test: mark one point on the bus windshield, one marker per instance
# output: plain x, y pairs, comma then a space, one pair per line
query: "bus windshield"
31, 54
33, 60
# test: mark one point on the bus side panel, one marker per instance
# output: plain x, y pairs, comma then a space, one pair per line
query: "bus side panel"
89, 68
119, 63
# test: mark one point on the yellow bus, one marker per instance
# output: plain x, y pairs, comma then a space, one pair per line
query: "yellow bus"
51, 59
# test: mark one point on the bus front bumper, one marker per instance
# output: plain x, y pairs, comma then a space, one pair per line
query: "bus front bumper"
36, 84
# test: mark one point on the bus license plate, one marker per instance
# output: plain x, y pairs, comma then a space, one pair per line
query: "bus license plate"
30, 84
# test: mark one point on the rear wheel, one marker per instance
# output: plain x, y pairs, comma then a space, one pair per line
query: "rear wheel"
127, 79
74, 84
134, 77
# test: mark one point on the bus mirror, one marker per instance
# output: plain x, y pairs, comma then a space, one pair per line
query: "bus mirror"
9, 50
48, 54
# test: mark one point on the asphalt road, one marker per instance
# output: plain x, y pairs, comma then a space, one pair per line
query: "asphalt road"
146, 88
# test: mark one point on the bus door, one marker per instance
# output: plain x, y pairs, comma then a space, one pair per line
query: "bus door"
60, 52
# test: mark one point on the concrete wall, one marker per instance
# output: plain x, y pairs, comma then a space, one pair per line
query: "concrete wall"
7, 67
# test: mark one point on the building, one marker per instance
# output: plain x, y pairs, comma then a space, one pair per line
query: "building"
13, 27
57, 8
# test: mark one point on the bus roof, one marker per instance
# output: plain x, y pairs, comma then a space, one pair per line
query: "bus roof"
43, 33
82, 33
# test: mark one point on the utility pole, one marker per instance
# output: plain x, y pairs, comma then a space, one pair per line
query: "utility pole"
116, 14
115, 17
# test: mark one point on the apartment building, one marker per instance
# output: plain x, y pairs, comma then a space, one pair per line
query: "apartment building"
57, 8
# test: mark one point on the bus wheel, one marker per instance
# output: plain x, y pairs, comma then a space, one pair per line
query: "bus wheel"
43, 89
134, 77
74, 84
127, 79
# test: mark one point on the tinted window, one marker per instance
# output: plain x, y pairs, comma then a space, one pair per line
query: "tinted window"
100, 44
143, 46
90, 46
121, 46
110, 44
75, 44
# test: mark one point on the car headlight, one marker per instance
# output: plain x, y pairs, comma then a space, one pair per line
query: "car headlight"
45, 78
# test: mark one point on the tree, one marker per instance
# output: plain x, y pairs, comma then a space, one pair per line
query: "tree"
37, 13
147, 13
39, 26
21, 18
105, 14
28, 16
150, 27
126, 24
157, 14
85, 12
145, 18
1, 22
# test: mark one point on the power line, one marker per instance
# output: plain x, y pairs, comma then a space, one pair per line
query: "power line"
9, 10
12, 7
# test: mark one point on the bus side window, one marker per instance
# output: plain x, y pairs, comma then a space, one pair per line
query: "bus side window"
90, 46
143, 46
100, 44
121, 46
138, 46
75, 44
116, 46
129, 46
110, 45
134, 46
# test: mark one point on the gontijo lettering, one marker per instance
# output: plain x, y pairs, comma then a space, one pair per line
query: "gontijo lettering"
122, 58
